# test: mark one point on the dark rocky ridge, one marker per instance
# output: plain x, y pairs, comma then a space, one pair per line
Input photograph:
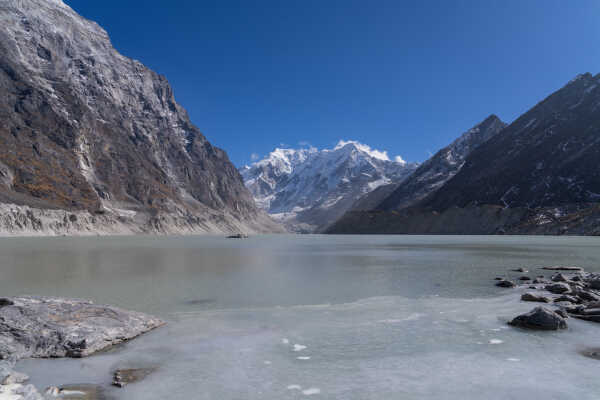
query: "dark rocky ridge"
539, 175
440, 168
433, 173
547, 157
87, 129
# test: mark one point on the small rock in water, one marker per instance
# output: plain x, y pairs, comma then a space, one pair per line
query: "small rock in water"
561, 268
126, 376
591, 353
567, 298
80, 392
524, 278
5, 302
534, 297
540, 318
559, 278
238, 236
523, 270
558, 288
505, 283
498, 278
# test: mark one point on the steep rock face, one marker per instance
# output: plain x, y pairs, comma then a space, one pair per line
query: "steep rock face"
539, 175
85, 128
547, 157
309, 189
440, 168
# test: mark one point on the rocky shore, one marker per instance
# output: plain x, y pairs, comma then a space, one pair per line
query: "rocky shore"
49, 327
568, 292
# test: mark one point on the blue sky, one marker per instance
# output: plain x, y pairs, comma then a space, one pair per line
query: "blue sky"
406, 77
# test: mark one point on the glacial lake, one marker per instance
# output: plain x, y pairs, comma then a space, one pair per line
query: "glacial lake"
330, 317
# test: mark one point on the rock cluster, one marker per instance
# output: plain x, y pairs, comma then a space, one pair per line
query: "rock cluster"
49, 327
573, 292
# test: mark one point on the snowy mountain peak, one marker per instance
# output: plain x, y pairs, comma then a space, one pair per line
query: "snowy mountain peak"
373, 153
308, 188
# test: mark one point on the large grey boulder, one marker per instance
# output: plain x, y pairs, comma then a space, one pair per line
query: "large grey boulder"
57, 327
540, 318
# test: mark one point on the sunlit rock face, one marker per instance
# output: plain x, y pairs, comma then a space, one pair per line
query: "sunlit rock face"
85, 128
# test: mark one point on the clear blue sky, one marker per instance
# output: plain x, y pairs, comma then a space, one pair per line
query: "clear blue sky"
406, 77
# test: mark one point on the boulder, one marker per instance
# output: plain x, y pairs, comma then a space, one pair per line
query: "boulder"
593, 283
540, 318
534, 297
559, 278
56, 327
567, 299
585, 295
126, 376
591, 318
558, 288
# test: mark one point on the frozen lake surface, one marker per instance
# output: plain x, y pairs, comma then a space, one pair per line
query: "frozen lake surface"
331, 317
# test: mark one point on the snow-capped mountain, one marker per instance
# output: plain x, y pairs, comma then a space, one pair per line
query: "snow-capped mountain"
307, 189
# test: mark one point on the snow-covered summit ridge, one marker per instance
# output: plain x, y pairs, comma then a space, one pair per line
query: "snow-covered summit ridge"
380, 155
309, 188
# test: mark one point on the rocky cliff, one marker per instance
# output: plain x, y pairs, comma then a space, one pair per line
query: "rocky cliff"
92, 135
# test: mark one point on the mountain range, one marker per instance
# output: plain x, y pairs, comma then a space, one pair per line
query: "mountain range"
538, 175
92, 141
308, 189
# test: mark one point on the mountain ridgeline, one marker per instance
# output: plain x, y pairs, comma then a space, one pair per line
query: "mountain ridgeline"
308, 189
92, 141
538, 175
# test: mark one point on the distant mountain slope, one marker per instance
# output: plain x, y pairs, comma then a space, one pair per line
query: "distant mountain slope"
538, 175
308, 189
440, 168
99, 136
548, 157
